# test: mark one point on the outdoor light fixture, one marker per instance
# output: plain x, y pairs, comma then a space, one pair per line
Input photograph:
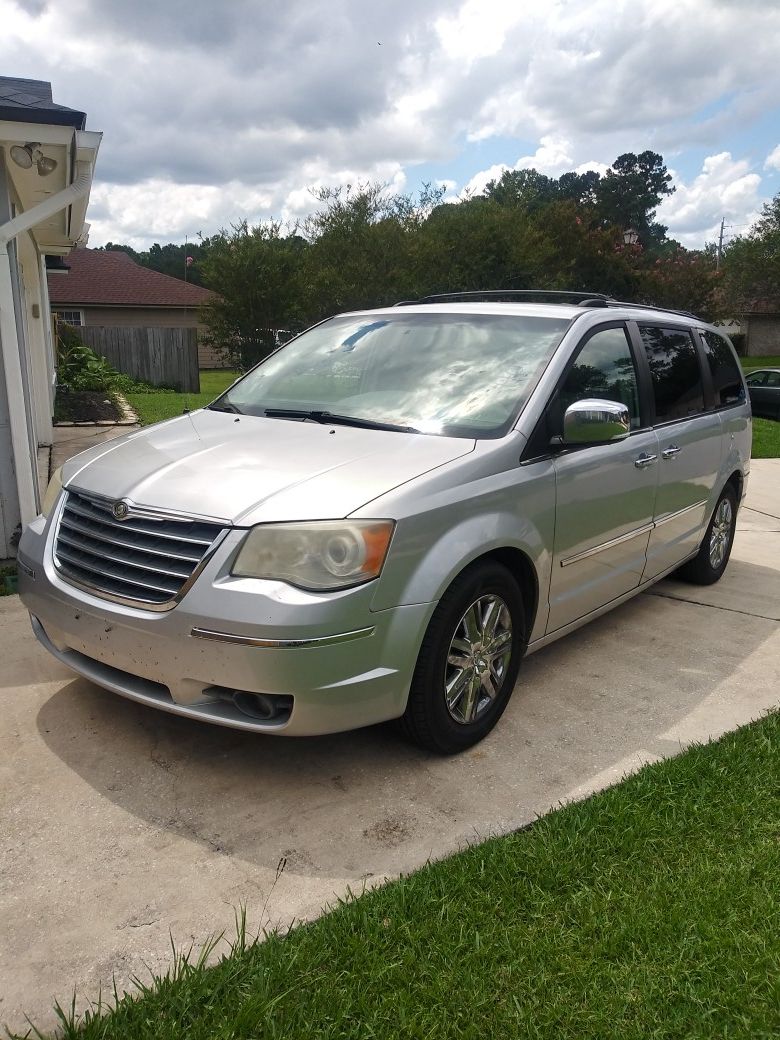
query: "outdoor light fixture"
630, 236
29, 154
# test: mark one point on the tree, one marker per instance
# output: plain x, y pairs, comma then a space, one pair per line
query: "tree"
572, 250
686, 280
630, 191
363, 246
527, 189
751, 265
255, 273
170, 259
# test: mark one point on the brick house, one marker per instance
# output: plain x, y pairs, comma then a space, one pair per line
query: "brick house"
109, 288
761, 322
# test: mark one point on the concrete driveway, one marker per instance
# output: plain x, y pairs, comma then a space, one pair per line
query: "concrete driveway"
121, 825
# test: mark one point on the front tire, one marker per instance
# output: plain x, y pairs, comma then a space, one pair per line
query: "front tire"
468, 662
708, 565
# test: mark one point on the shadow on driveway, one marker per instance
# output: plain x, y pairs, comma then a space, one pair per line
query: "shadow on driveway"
364, 803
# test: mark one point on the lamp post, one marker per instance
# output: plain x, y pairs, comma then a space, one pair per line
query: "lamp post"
630, 236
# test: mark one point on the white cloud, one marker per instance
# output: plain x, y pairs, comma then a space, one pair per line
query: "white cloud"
592, 164
250, 103
725, 189
478, 29
552, 157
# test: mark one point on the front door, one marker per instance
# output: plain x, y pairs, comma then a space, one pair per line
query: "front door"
604, 493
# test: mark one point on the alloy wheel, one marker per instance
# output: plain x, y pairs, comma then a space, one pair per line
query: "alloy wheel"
478, 658
720, 534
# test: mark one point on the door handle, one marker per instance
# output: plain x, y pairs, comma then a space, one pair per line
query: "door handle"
644, 460
670, 452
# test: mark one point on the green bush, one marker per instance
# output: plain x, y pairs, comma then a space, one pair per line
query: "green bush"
80, 368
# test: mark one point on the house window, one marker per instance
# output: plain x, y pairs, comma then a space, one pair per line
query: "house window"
71, 317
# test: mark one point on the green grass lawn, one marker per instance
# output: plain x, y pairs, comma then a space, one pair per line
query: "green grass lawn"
766, 439
650, 911
749, 363
152, 408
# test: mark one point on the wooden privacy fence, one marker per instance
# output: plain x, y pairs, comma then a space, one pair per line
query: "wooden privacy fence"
162, 357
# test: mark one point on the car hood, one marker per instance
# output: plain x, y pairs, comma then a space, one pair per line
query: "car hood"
249, 469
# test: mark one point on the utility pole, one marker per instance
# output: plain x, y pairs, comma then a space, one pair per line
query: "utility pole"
720, 243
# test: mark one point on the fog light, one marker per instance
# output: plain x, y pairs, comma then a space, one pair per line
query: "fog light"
255, 705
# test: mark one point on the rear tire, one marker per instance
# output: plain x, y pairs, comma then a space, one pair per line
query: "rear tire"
708, 565
468, 662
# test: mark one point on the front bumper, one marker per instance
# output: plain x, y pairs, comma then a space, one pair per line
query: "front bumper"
344, 665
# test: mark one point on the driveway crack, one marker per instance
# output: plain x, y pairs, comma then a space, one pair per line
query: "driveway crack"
712, 606
761, 512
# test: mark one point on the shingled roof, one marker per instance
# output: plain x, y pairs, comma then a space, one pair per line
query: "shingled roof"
112, 278
30, 101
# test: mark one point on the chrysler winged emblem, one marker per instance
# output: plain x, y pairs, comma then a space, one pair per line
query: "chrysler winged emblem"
119, 510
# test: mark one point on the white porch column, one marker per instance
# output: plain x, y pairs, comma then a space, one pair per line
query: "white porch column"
25, 453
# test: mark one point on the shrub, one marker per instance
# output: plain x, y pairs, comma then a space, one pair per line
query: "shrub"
80, 368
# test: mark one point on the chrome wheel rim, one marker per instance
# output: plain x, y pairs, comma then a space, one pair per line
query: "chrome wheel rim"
478, 658
720, 534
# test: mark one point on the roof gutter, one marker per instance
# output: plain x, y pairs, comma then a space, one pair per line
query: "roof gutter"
24, 453
54, 204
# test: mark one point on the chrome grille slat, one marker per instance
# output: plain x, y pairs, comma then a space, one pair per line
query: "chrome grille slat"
106, 572
100, 536
101, 554
145, 560
137, 525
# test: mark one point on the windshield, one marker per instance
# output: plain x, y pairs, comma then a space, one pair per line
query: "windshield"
458, 375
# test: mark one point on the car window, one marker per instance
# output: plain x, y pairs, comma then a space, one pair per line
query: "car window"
675, 372
603, 369
757, 378
460, 375
726, 376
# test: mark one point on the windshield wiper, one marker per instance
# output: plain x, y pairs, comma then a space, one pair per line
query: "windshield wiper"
335, 419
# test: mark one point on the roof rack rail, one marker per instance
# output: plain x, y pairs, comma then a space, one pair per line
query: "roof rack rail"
652, 307
584, 299
580, 299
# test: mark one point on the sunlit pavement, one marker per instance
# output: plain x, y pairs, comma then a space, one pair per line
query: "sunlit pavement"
122, 825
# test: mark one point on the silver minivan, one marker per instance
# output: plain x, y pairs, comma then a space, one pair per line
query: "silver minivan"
383, 517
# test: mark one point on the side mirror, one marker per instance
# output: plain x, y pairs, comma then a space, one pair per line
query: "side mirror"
596, 422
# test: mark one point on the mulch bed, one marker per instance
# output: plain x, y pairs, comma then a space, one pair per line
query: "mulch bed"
85, 406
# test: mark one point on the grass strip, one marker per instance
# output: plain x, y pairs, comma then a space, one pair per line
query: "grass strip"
750, 363
152, 408
651, 910
766, 439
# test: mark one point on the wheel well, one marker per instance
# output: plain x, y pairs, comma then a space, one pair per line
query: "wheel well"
521, 568
737, 481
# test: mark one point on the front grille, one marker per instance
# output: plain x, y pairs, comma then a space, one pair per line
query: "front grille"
143, 559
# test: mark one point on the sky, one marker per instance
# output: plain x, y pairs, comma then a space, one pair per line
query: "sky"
215, 111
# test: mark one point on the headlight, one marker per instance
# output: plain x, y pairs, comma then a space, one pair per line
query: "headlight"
328, 554
52, 492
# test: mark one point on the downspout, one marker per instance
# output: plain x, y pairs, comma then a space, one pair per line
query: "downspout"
24, 453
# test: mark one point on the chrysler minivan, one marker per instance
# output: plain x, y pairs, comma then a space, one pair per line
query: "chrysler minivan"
383, 517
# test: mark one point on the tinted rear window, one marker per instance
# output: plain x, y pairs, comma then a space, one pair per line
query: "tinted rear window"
674, 366
726, 376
